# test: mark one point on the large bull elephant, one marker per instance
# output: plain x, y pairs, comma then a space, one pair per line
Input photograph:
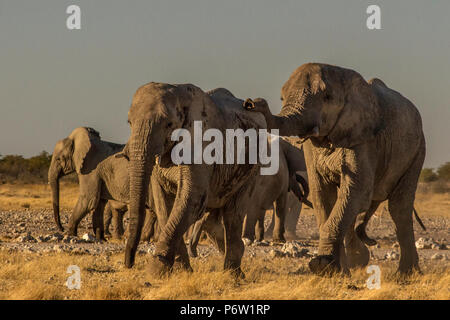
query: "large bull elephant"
365, 145
156, 111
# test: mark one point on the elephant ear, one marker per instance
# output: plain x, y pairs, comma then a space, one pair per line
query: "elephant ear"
84, 142
360, 118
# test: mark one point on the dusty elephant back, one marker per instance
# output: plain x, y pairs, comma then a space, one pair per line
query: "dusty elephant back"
225, 100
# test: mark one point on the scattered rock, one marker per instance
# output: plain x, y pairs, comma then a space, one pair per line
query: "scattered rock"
246, 241
147, 284
392, 255
395, 245
20, 225
58, 248
88, 237
42, 239
26, 238
437, 256
263, 243
56, 237
294, 250
275, 253
424, 243
442, 246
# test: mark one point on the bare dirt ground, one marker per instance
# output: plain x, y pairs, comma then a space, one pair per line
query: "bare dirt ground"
34, 258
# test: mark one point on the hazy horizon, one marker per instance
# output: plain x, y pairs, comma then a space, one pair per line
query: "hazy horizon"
53, 79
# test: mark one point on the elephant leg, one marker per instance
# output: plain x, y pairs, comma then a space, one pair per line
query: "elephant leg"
195, 235
361, 225
82, 208
401, 205
107, 218
259, 227
250, 222
213, 227
190, 203
269, 231
97, 220
294, 208
234, 247
354, 196
148, 230
279, 216
182, 258
356, 252
117, 216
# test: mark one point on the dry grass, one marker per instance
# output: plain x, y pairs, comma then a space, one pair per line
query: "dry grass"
30, 276
37, 276
36, 196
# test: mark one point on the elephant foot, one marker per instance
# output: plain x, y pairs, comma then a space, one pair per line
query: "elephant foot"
71, 233
324, 265
291, 235
159, 266
408, 270
276, 241
237, 273
362, 235
358, 259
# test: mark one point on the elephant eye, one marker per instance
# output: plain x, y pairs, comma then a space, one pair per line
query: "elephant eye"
169, 125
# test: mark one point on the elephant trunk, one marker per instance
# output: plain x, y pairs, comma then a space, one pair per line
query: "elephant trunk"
54, 174
292, 120
141, 165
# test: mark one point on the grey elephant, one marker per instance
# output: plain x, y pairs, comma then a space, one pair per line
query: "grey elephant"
264, 192
157, 109
103, 180
80, 152
365, 144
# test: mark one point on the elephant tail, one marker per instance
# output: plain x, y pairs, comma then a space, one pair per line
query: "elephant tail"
416, 215
301, 195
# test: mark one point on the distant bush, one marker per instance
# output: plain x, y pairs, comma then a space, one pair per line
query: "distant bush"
17, 169
440, 186
443, 172
428, 175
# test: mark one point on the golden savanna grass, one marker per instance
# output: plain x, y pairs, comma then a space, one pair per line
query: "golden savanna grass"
43, 276
38, 196
30, 276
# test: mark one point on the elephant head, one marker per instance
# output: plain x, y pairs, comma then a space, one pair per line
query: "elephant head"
156, 111
328, 104
69, 156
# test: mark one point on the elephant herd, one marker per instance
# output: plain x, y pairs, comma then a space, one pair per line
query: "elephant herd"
348, 143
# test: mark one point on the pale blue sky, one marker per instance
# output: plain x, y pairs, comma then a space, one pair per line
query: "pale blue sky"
53, 80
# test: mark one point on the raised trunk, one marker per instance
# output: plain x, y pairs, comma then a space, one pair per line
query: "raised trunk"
141, 165
287, 124
53, 180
